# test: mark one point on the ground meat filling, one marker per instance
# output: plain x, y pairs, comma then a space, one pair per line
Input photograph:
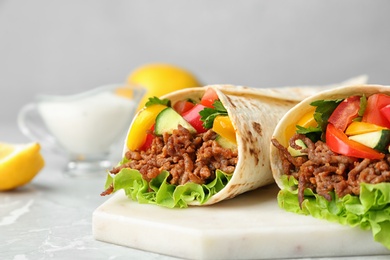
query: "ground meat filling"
188, 157
324, 171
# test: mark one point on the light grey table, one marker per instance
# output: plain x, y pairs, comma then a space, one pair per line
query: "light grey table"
51, 217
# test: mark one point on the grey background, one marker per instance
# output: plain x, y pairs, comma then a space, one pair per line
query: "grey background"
58, 47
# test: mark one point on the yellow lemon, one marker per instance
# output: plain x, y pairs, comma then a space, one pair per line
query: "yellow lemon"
161, 78
19, 164
124, 92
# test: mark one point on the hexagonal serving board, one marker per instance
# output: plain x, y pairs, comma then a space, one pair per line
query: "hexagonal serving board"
250, 226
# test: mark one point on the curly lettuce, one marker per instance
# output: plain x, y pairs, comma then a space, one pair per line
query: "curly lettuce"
160, 192
369, 211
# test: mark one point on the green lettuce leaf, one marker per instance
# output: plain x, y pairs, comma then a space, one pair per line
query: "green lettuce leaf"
160, 192
369, 211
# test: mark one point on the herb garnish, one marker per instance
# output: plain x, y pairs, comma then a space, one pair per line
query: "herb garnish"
324, 108
155, 100
323, 111
363, 105
207, 115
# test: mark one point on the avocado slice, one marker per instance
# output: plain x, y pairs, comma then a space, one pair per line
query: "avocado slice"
295, 152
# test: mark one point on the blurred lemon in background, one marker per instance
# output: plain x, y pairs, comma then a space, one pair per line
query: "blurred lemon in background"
19, 164
161, 78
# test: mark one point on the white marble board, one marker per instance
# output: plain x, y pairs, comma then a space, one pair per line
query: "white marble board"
250, 226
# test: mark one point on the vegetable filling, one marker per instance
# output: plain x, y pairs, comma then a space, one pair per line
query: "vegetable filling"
189, 140
348, 145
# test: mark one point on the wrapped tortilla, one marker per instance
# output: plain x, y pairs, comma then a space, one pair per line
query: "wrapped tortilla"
202, 163
330, 157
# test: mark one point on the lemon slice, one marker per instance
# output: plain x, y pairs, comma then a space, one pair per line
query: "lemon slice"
19, 164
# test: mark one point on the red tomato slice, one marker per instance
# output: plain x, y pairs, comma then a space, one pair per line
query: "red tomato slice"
374, 104
385, 111
183, 106
339, 143
345, 112
209, 97
192, 116
148, 140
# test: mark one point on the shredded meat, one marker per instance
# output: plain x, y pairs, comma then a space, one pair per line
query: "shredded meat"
187, 157
324, 171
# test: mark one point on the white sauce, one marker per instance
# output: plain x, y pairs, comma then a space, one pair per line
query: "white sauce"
88, 125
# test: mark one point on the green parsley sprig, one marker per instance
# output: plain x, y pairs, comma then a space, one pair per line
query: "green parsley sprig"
155, 100
324, 109
207, 115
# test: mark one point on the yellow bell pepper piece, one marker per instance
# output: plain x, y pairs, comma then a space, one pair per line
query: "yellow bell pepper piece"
143, 122
307, 120
223, 126
356, 128
290, 130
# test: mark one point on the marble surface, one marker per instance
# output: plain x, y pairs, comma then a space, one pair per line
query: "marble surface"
251, 226
51, 218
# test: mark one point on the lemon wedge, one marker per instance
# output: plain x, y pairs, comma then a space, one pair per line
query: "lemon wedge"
19, 164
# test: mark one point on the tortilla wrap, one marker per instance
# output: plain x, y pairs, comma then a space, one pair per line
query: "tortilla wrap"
354, 210
254, 114
244, 105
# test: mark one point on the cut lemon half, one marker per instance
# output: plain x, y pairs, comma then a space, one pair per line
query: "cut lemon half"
19, 164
